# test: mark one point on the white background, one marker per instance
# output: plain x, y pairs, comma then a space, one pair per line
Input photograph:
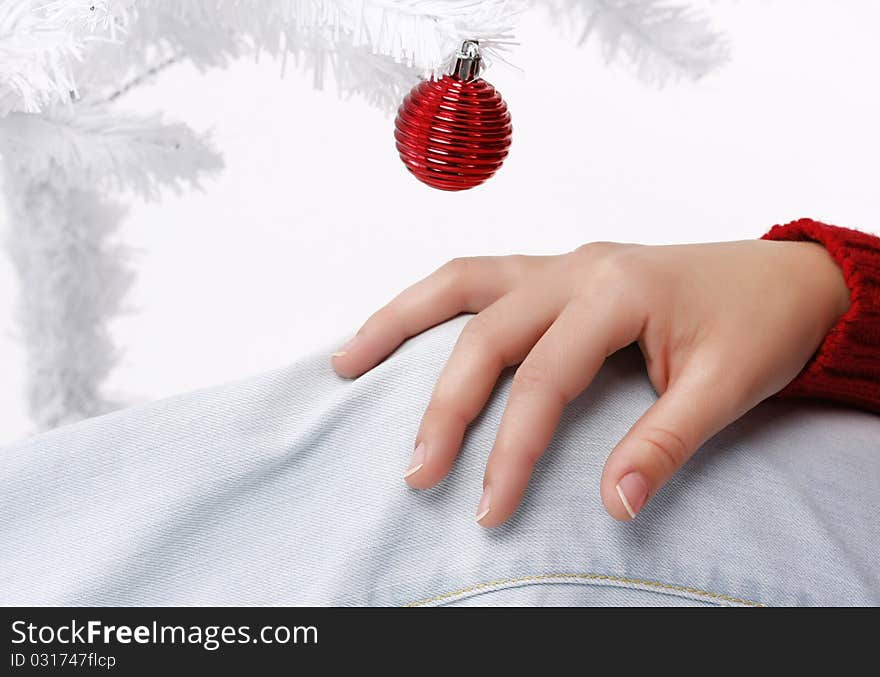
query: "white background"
314, 222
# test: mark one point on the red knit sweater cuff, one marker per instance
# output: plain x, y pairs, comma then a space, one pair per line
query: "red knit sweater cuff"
846, 368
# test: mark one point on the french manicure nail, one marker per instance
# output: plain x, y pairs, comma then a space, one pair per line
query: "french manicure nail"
417, 461
485, 504
633, 491
344, 350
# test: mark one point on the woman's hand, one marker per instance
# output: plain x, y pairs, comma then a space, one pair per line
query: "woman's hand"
721, 326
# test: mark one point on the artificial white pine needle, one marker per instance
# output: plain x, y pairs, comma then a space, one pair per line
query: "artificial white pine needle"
344, 35
662, 39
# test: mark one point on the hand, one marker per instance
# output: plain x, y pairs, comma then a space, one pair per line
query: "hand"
722, 327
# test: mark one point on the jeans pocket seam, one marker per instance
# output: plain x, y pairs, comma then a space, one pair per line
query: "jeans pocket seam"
588, 579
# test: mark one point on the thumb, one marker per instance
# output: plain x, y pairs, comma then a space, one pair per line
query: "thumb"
661, 442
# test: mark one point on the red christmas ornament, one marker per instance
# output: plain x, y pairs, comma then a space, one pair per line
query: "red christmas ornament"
454, 133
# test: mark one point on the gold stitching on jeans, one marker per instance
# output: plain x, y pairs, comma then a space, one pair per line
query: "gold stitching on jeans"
588, 577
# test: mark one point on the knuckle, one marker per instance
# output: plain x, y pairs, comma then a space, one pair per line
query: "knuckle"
532, 378
458, 279
457, 267
594, 250
668, 448
619, 266
476, 330
607, 259
606, 265
477, 334
446, 412
522, 457
622, 274
521, 265
387, 316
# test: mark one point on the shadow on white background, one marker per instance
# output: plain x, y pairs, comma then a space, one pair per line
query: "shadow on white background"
315, 222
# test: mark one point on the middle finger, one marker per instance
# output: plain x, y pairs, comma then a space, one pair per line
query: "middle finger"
498, 337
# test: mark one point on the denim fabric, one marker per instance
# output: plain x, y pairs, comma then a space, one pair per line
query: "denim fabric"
287, 489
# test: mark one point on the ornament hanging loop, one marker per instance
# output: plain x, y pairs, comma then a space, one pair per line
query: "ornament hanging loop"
468, 62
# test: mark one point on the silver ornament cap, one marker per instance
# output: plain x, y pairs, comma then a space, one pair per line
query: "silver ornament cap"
468, 62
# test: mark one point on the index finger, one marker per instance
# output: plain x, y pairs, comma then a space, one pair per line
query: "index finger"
461, 286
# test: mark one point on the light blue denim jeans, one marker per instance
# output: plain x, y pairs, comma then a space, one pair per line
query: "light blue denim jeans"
287, 489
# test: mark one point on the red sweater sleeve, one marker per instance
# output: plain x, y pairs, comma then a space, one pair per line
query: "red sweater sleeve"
846, 368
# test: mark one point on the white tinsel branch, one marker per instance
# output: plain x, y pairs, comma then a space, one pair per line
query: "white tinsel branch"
36, 59
381, 81
59, 166
73, 275
93, 145
662, 39
416, 35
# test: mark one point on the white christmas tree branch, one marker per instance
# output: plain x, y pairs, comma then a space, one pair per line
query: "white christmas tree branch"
382, 81
662, 39
142, 77
90, 144
73, 276
43, 41
416, 34
36, 59
63, 237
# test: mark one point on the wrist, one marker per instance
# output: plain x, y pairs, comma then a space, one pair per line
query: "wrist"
833, 293
846, 366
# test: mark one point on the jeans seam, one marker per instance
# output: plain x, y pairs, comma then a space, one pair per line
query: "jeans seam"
550, 578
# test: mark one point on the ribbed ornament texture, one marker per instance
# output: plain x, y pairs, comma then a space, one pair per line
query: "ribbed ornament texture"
452, 134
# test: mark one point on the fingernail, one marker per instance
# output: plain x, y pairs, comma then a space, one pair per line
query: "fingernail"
417, 461
485, 504
633, 492
344, 350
